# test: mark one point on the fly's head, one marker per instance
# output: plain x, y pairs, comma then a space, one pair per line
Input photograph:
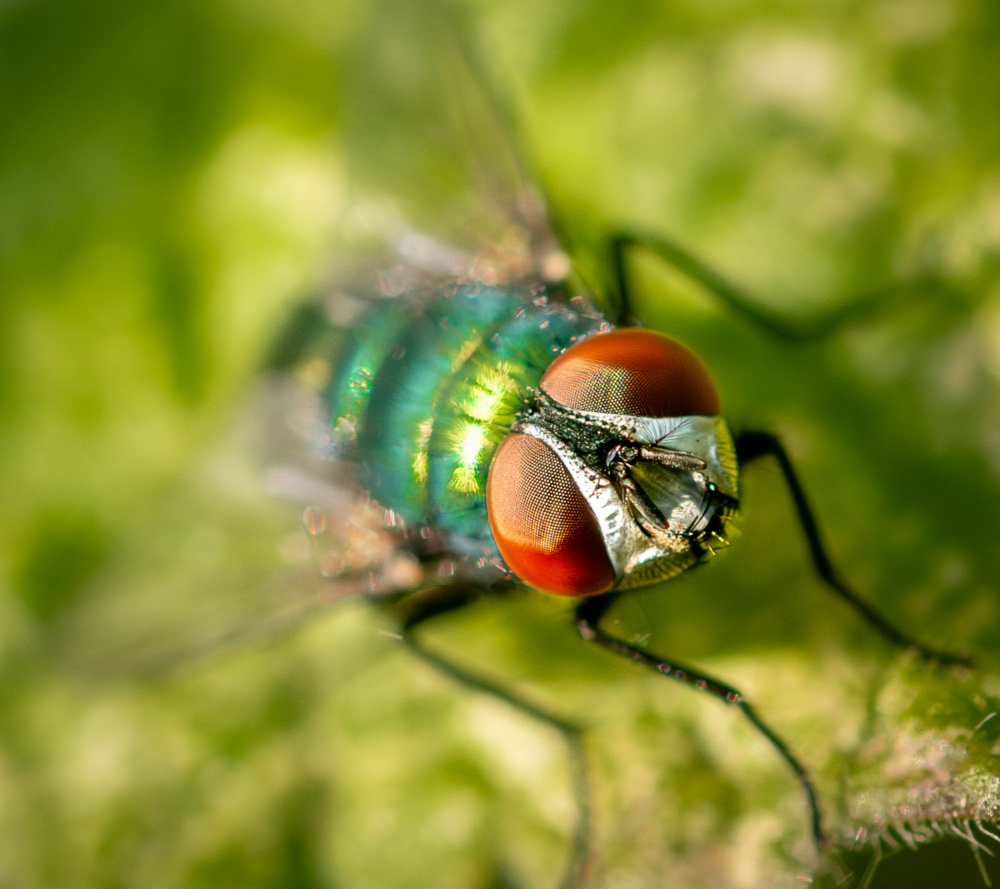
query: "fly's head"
619, 472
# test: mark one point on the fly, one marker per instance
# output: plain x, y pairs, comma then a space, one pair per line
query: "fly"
521, 432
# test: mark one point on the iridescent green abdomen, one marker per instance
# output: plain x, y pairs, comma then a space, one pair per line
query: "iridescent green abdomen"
428, 391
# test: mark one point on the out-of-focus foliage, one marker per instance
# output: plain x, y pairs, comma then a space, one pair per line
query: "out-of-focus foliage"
172, 178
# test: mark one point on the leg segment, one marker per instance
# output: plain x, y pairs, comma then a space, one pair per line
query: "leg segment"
752, 445
743, 303
588, 618
430, 603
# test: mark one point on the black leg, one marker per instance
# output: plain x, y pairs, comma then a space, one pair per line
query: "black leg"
588, 618
752, 445
743, 303
429, 603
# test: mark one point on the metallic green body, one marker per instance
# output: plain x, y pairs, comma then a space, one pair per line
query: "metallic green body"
426, 391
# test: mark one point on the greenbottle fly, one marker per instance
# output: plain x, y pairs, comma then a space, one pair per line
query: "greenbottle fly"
480, 421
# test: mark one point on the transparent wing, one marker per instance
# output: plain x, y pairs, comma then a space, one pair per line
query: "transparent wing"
261, 535
272, 526
428, 137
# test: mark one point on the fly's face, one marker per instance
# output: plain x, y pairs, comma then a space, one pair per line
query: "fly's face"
619, 471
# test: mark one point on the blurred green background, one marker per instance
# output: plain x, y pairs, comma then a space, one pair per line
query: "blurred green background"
173, 179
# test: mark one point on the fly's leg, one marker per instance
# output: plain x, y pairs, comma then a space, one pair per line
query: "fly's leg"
756, 444
429, 603
588, 619
742, 302
751, 446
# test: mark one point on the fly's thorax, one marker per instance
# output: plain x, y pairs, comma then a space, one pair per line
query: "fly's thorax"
582, 500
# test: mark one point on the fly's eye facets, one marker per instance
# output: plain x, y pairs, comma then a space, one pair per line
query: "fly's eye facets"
637, 372
541, 522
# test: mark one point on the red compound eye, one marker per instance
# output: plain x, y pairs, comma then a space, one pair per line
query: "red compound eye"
542, 525
634, 371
